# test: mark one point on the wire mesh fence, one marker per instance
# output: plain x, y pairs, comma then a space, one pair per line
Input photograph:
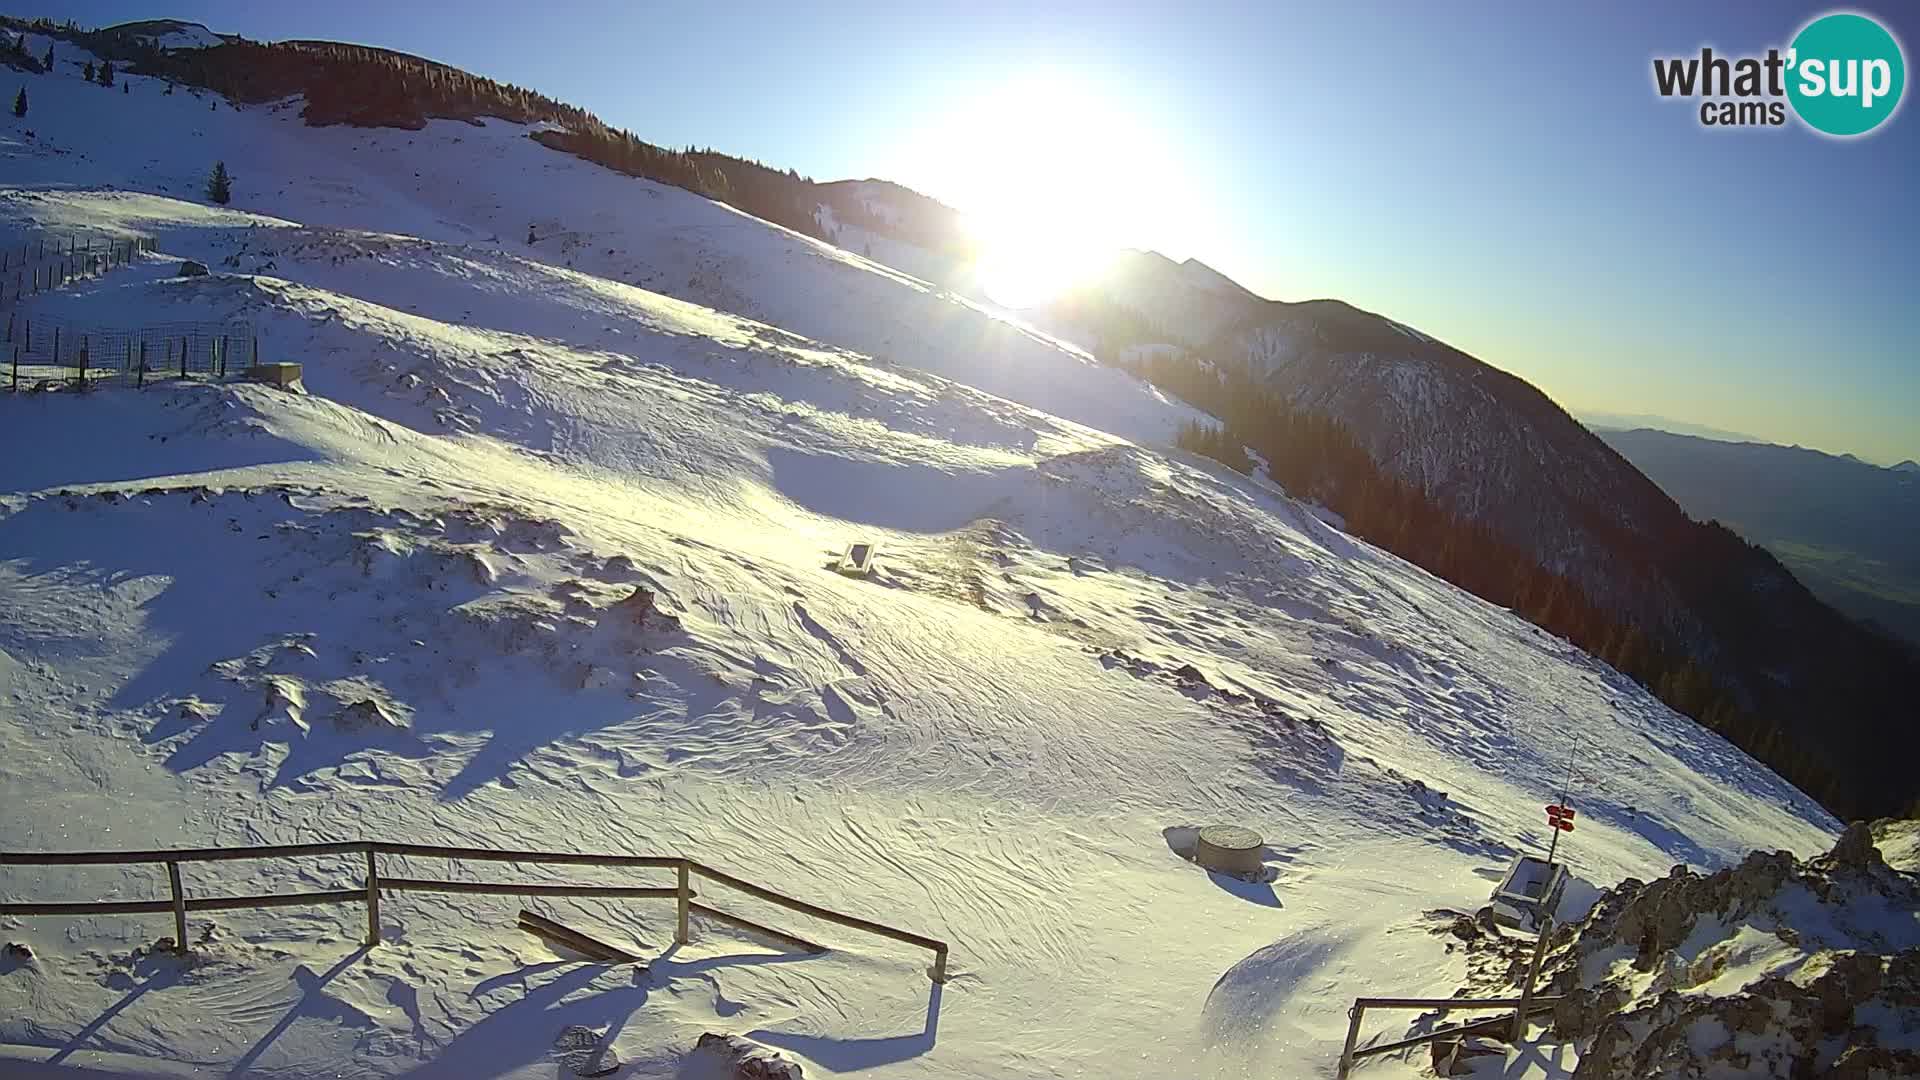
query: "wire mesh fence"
34, 262
43, 354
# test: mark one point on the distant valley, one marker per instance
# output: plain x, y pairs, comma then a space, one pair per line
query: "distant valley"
1846, 528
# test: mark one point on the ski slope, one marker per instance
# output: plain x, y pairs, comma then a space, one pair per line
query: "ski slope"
390, 606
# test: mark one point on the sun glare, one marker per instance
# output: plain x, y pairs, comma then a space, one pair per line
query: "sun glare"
1032, 162
1024, 262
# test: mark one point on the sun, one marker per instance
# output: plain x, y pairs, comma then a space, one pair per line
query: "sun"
1024, 262
1048, 172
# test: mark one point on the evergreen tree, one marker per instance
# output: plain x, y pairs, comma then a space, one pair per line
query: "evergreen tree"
20, 102
89, 71
219, 184
106, 73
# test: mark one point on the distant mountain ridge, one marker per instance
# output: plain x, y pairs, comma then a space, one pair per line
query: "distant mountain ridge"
1845, 527
1496, 453
1631, 421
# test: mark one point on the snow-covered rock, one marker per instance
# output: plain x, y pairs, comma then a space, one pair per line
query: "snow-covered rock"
745, 1059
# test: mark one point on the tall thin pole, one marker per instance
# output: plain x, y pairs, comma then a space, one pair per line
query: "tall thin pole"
1565, 786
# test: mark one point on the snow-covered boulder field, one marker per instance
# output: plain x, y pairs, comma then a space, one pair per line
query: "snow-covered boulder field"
541, 554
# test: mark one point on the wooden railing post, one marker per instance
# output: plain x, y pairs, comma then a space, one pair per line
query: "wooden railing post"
1533, 972
1353, 1037
685, 891
369, 893
373, 899
179, 908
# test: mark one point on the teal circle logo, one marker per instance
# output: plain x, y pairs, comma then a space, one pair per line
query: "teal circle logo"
1846, 73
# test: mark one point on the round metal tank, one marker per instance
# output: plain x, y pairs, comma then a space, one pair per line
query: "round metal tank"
1229, 849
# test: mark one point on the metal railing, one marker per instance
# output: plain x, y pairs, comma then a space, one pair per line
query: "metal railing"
41, 351
36, 262
179, 903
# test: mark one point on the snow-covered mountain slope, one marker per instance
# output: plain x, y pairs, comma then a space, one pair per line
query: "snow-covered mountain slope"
400, 605
1495, 456
1145, 298
170, 34
902, 228
489, 185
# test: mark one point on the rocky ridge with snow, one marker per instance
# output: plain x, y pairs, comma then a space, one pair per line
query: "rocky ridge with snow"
1772, 967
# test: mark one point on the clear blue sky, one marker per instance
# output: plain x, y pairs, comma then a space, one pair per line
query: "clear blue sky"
1504, 178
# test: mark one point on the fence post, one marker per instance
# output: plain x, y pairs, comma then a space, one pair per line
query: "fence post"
680, 927
179, 908
183, 355
223, 356
143, 363
16, 368
940, 965
1533, 972
373, 899
1353, 1037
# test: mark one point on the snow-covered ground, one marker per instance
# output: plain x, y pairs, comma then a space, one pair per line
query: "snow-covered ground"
389, 607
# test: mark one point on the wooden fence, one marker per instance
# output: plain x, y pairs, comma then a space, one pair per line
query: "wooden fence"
1514, 1026
374, 883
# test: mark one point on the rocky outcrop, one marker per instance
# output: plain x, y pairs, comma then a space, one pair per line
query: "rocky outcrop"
1772, 1028
747, 1059
1641, 979
1654, 918
1898, 840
